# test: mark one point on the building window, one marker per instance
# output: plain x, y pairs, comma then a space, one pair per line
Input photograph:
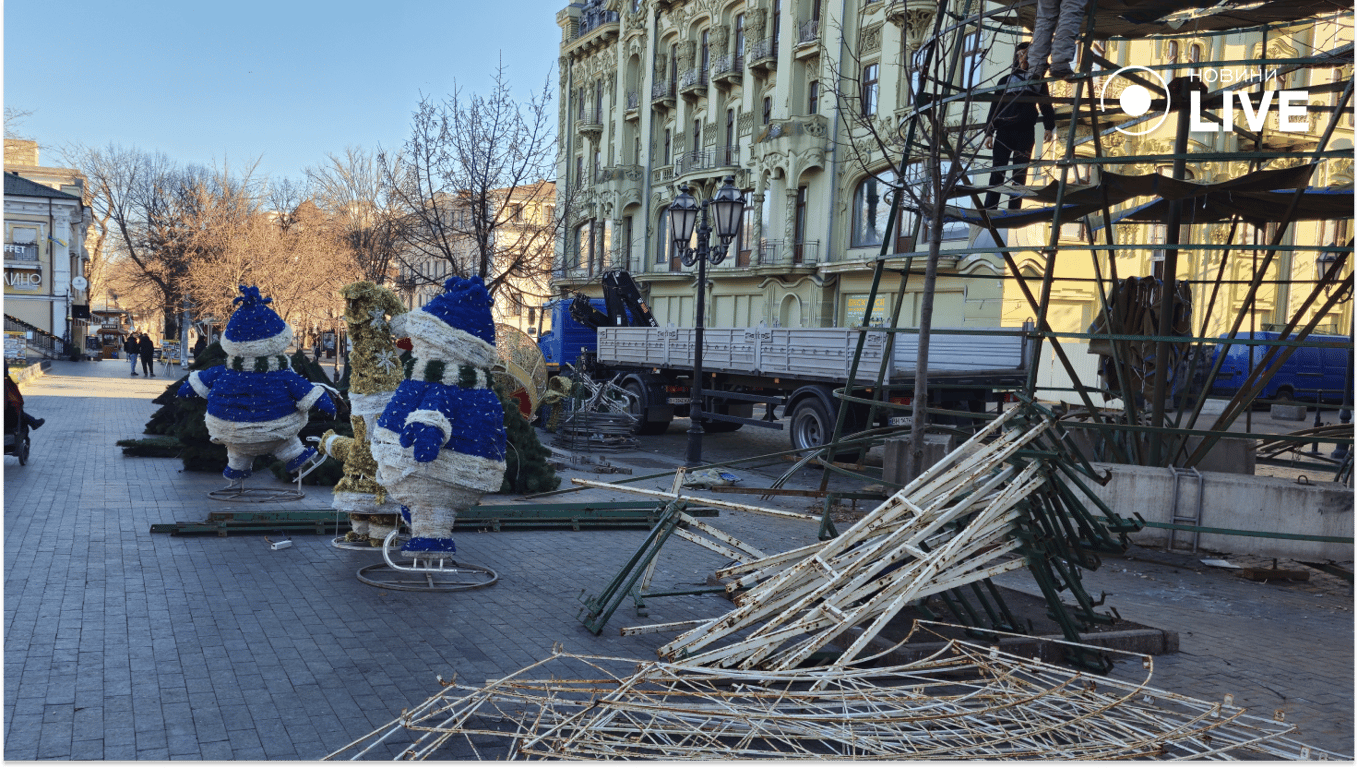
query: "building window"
674, 65
740, 37
813, 97
869, 85
730, 128
597, 156
1172, 52
584, 244
973, 55
666, 154
768, 109
627, 242
697, 136
870, 210
706, 53
777, 21
579, 171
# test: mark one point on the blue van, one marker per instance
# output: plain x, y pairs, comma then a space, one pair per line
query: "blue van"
1321, 368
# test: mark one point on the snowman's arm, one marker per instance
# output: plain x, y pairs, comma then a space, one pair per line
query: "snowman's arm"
428, 427
199, 383
308, 394
336, 445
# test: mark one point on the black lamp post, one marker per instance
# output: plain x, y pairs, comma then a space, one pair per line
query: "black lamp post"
727, 206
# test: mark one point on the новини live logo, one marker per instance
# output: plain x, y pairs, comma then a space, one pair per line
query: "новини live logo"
1136, 100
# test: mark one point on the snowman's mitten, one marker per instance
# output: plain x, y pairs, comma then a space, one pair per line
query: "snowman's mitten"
327, 406
426, 438
186, 390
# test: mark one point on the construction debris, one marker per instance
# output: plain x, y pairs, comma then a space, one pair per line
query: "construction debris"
968, 701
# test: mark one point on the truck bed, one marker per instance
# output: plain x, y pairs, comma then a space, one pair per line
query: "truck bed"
816, 354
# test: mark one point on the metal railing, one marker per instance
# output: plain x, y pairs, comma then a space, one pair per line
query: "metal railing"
763, 50
663, 89
592, 20
38, 340
783, 254
725, 66
21, 252
662, 174
633, 100
692, 78
589, 117
808, 31
703, 159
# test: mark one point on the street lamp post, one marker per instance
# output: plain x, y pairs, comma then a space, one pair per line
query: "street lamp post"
727, 205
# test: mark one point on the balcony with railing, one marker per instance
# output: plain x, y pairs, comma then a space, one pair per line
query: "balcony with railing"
693, 83
26, 254
728, 69
663, 174
595, 29
662, 93
633, 104
808, 38
780, 253
764, 54
590, 121
707, 159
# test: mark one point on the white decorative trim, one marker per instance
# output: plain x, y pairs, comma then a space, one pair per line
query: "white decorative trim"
328, 444
370, 404
199, 387
396, 464
456, 346
434, 419
273, 345
363, 504
243, 432
315, 394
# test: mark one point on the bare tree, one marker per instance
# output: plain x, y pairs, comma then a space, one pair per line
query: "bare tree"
922, 160
471, 166
14, 118
352, 191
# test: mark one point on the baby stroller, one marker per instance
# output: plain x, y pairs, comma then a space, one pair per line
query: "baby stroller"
15, 426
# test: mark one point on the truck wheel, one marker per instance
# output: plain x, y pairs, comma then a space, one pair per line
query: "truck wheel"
812, 426
637, 406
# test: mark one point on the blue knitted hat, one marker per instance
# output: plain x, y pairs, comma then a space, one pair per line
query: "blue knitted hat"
254, 329
465, 306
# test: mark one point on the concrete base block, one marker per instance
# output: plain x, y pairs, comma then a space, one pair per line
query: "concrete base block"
1285, 412
1235, 502
896, 454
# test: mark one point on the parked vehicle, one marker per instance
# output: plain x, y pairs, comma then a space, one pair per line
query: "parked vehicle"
567, 338
1323, 369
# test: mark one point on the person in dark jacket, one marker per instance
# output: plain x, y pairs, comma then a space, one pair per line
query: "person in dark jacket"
148, 356
199, 346
1009, 126
133, 348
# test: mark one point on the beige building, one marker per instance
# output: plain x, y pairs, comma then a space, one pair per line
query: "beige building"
783, 95
658, 94
45, 227
523, 241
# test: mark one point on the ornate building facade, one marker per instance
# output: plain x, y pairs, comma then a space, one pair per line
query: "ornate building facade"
780, 94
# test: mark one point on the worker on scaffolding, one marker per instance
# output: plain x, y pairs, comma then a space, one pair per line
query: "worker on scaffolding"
1054, 32
1009, 126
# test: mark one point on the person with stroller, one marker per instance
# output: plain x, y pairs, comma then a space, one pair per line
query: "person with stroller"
133, 348
14, 407
148, 356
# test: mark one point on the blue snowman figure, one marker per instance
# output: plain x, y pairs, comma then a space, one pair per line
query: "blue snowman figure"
440, 442
256, 403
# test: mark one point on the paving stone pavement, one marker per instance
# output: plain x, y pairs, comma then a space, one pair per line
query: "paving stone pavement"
122, 645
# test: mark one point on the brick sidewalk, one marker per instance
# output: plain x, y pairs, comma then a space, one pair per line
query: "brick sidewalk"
121, 645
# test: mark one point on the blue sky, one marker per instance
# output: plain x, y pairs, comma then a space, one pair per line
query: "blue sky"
286, 81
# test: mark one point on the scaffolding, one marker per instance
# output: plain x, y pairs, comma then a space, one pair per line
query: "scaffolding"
1259, 189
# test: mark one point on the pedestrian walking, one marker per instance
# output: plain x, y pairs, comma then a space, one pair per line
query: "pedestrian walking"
199, 346
133, 348
1009, 126
148, 356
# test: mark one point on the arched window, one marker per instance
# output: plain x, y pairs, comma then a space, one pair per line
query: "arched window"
870, 208
1172, 52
